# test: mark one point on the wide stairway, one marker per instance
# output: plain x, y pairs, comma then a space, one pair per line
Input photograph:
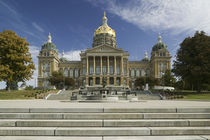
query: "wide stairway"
104, 123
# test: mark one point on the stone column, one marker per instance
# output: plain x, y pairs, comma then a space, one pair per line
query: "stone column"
87, 66
87, 69
121, 65
107, 70
52, 67
115, 66
127, 73
127, 68
121, 78
101, 70
108, 65
94, 65
94, 79
40, 69
115, 70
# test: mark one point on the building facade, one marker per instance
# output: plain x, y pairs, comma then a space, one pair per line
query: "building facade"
103, 62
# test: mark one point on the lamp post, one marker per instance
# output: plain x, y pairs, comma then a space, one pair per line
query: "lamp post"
162, 73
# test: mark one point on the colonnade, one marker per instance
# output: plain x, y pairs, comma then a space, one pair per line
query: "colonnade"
117, 77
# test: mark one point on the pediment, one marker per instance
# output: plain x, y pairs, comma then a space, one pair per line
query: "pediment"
104, 49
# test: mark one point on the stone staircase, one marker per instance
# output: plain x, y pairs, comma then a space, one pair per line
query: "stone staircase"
61, 95
104, 123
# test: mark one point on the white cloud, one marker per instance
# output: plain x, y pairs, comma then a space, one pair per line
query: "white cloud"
37, 27
178, 16
73, 55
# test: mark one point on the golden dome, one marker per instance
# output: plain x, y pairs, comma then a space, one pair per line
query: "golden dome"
104, 28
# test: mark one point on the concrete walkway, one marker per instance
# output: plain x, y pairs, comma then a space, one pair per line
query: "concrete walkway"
106, 138
68, 104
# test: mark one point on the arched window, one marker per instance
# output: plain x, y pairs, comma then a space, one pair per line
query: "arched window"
66, 72
142, 72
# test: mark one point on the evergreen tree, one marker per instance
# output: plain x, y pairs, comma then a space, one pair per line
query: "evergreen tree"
168, 79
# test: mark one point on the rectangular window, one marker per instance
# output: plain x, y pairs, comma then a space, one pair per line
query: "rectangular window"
137, 73
66, 72
125, 70
104, 69
132, 72
71, 73
84, 71
76, 73
142, 73
91, 69
97, 69
111, 70
118, 69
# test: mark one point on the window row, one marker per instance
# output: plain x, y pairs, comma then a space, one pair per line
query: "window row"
139, 73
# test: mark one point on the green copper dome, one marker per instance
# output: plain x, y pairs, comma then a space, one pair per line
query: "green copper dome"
49, 45
159, 45
63, 59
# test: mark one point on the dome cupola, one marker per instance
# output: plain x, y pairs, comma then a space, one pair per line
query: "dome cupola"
63, 59
159, 45
104, 34
49, 45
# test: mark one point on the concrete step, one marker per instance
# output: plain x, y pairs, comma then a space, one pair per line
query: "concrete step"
103, 131
188, 137
104, 110
104, 116
105, 123
61, 95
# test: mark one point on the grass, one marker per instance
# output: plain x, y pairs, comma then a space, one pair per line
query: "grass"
24, 94
198, 96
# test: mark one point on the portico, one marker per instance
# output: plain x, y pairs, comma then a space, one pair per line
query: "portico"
112, 68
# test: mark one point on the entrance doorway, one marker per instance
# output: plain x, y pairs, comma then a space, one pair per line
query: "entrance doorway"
90, 81
111, 81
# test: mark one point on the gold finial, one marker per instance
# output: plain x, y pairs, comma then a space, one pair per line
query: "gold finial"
104, 19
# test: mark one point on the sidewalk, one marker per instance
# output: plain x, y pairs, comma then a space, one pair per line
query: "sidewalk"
68, 104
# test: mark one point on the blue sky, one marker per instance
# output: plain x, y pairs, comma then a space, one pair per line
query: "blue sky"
72, 23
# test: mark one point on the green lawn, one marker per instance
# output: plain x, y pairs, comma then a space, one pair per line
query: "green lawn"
24, 94
199, 96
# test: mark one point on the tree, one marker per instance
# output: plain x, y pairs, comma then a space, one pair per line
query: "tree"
59, 80
16, 64
142, 81
192, 62
168, 79
69, 82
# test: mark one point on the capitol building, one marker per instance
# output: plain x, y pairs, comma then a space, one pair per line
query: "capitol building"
104, 61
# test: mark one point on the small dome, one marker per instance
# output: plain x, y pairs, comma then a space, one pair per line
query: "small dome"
63, 59
145, 57
104, 28
49, 45
159, 45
